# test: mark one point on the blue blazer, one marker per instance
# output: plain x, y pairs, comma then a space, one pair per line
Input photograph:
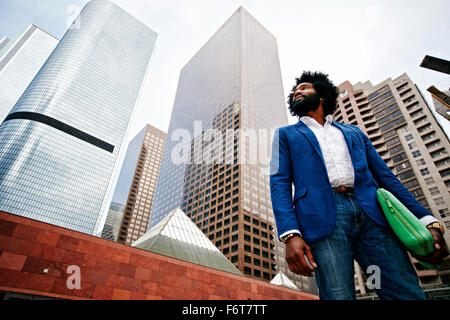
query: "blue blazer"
297, 159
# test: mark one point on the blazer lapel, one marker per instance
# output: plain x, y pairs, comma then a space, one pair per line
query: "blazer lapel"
303, 129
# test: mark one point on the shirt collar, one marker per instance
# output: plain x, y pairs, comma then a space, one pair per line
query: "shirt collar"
312, 122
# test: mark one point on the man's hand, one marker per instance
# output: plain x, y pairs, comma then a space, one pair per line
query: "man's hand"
296, 249
441, 248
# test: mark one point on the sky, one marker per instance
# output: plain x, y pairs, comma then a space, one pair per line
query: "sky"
354, 40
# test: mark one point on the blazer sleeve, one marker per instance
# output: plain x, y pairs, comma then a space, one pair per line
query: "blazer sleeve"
387, 180
281, 185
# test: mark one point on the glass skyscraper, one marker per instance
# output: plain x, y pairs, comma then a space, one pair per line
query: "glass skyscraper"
21, 57
215, 164
238, 65
62, 141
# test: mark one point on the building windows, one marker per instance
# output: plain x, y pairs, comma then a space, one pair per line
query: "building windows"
442, 163
424, 171
444, 173
429, 136
402, 166
420, 162
439, 201
416, 154
438, 153
432, 145
396, 149
412, 145
417, 193
434, 191
399, 157
443, 212
406, 175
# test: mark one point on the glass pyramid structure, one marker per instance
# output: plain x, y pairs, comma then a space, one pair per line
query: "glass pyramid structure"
178, 237
282, 280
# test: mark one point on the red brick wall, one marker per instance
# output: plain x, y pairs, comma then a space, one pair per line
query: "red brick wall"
110, 270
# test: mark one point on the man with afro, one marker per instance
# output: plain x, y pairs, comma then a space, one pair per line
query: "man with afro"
333, 216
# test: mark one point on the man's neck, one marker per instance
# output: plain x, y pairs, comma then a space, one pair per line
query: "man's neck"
318, 115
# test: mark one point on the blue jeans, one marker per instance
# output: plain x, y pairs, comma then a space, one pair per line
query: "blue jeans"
374, 247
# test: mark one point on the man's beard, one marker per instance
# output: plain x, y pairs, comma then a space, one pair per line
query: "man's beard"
309, 103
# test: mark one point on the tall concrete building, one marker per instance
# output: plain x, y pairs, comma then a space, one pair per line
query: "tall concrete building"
21, 57
136, 185
62, 142
215, 165
403, 130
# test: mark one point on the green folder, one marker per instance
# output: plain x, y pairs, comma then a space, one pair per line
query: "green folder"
411, 232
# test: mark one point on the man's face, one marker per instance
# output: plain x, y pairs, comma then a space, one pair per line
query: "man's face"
305, 99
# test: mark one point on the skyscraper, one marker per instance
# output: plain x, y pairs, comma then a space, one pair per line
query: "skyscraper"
136, 185
113, 221
21, 57
216, 159
62, 141
403, 130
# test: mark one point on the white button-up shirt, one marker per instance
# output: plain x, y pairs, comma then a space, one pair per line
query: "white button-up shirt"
334, 150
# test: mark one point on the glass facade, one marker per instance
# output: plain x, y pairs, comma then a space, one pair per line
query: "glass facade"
20, 60
282, 280
112, 223
228, 103
177, 236
62, 141
239, 64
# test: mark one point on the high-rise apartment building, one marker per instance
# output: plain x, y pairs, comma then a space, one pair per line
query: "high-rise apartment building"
402, 128
21, 57
62, 142
215, 165
137, 182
